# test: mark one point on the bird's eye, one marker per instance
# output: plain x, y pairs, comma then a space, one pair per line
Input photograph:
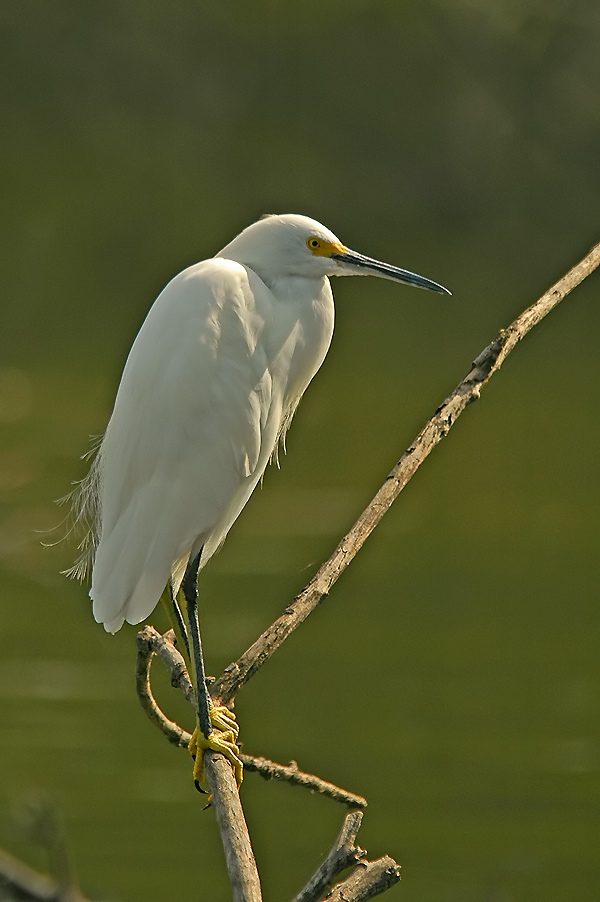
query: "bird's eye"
313, 243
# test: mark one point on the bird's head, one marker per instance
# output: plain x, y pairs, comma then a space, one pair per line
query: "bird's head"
287, 245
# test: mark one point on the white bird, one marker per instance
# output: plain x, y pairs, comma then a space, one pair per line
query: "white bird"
209, 388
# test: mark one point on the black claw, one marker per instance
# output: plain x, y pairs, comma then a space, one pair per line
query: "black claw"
199, 788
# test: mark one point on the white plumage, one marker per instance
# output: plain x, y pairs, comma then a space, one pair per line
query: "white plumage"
210, 386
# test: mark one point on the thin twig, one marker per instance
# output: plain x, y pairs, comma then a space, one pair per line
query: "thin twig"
488, 362
19, 881
270, 770
150, 642
164, 647
370, 878
44, 826
344, 853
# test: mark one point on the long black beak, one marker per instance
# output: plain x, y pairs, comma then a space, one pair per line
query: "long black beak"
359, 265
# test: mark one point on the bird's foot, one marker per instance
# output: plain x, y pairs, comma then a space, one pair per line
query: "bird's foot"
222, 739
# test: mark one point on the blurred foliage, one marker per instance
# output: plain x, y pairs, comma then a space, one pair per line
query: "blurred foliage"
460, 139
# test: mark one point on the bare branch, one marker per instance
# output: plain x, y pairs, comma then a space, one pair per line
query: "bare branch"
239, 858
344, 853
488, 362
164, 647
241, 866
269, 770
369, 879
19, 881
41, 823
150, 642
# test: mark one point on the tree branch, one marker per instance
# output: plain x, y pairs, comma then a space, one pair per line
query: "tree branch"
19, 881
344, 852
485, 365
369, 879
239, 858
150, 642
42, 825
241, 866
270, 770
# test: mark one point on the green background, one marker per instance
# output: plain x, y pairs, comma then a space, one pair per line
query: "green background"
453, 675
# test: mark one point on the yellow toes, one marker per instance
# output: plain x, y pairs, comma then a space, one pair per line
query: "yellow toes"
223, 739
224, 720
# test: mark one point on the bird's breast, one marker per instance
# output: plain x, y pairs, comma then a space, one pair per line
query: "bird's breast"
299, 333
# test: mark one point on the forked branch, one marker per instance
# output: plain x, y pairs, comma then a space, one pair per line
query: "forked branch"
151, 643
344, 853
370, 878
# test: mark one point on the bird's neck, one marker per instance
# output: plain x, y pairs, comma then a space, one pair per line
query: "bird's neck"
297, 289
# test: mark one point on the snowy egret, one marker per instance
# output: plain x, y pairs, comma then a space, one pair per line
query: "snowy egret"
209, 388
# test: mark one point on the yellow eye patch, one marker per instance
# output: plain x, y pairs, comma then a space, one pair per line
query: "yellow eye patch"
322, 248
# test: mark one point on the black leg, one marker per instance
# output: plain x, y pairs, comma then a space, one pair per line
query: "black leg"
190, 591
176, 610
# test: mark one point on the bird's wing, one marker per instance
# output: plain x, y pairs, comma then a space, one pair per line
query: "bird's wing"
195, 420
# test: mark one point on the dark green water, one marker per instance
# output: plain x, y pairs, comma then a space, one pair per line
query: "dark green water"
453, 675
